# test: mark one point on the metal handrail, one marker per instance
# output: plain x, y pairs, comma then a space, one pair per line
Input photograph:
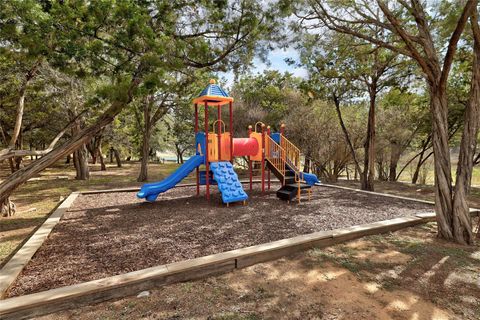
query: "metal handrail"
292, 153
278, 156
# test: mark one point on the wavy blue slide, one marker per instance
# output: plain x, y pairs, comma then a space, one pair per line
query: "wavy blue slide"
150, 191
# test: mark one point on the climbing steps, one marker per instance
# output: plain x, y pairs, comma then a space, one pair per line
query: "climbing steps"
228, 183
283, 159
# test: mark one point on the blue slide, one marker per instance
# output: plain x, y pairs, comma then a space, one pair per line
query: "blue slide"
150, 191
310, 178
228, 183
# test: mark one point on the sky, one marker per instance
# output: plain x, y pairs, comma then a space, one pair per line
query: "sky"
276, 62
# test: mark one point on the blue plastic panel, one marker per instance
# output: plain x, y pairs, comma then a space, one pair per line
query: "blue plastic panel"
228, 183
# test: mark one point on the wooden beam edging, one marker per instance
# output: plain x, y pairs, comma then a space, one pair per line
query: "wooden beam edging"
376, 193
138, 188
131, 283
15, 265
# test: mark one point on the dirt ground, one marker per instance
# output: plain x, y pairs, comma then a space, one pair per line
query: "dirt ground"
409, 274
107, 234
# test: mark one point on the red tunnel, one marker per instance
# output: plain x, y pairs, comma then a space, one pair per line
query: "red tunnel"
245, 147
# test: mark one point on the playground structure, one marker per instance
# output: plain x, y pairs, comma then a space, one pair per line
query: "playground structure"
272, 151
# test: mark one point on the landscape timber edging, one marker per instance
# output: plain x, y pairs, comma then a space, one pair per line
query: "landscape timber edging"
131, 283
376, 193
15, 265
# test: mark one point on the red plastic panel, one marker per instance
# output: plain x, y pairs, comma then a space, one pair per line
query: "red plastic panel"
245, 147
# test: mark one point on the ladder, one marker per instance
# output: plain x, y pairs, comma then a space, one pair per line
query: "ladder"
284, 160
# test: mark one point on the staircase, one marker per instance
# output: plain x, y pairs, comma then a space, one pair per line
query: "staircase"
284, 160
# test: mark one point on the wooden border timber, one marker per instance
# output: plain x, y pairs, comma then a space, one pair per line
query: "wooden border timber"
131, 283
375, 193
15, 265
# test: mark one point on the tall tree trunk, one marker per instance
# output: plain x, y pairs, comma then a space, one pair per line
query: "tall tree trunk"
443, 173
103, 167
306, 165
369, 161
118, 160
395, 153
21, 106
143, 174
349, 142
81, 163
22, 175
462, 221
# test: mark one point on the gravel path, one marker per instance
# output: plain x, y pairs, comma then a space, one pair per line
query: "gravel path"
113, 233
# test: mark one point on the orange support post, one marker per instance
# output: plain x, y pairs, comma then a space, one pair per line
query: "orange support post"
219, 133
250, 161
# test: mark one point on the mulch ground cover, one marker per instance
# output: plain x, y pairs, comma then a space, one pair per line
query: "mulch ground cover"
107, 234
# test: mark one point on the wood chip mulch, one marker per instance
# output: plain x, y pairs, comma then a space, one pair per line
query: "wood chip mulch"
107, 234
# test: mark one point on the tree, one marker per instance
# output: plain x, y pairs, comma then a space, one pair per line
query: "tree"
131, 42
410, 30
339, 72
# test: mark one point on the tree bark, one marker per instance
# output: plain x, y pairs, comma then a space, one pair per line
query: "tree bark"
369, 160
462, 221
143, 175
103, 167
147, 126
81, 163
21, 106
118, 160
443, 173
7, 208
395, 153
349, 141
22, 175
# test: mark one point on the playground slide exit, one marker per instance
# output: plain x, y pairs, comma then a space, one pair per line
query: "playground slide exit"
150, 191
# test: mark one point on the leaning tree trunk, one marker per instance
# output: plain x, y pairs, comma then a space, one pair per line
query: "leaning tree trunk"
462, 221
420, 162
22, 175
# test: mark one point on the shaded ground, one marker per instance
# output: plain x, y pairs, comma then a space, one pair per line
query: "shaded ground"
409, 274
39, 196
107, 234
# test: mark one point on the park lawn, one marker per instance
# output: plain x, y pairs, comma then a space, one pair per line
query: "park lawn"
409, 274
39, 196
